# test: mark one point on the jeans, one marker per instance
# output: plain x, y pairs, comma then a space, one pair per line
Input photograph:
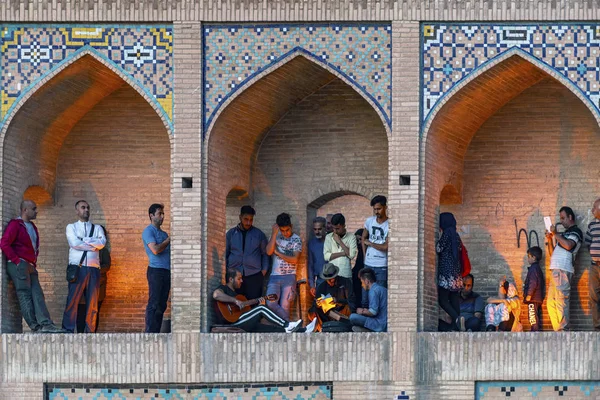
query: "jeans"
159, 285
30, 294
594, 286
88, 280
360, 320
381, 275
558, 299
283, 286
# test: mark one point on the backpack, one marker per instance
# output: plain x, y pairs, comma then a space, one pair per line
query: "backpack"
465, 263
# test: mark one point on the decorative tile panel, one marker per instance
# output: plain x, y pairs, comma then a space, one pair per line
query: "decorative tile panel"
234, 392
572, 390
451, 52
143, 53
234, 54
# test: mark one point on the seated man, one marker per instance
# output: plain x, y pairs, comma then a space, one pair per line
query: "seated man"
341, 293
373, 318
471, 309
250, 320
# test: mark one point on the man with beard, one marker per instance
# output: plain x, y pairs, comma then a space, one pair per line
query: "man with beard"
340, 290
245, 250
315, 259
85, 242
158, 248
472, 308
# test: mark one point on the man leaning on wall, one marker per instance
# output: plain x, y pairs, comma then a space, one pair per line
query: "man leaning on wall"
20, 244
85, 242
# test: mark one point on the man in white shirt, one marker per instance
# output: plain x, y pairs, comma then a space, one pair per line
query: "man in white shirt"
340, 246
84, 247
561, 267
375, 243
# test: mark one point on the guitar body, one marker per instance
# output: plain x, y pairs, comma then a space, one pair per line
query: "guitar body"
231, 313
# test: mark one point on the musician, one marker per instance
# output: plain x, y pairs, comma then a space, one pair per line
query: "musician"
250, 320
341, 291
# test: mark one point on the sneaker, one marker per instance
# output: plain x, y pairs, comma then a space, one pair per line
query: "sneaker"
311, 327
293, 326
357, 328
51, 329
461, 324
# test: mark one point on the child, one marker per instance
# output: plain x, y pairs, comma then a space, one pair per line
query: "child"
502, 312
534, 288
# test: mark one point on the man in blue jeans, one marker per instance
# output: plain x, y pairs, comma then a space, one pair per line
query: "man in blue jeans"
158, 248
285, 247
373, 318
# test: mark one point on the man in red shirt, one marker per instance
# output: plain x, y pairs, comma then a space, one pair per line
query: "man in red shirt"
20, 244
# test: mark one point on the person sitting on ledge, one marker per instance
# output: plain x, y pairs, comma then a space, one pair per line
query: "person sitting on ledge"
471, 309
502, 313
373, 318
334, 299
227, 299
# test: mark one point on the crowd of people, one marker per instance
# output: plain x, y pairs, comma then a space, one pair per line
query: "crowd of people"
347, 275
466, 309
346, 295
89, 260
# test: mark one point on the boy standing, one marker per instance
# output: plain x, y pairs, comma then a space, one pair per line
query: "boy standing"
534, 288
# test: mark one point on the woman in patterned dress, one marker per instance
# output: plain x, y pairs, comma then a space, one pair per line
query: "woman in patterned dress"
449, 276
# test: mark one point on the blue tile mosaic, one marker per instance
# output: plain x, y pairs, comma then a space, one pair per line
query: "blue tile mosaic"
451, 52
234, 54
237, 392
542, 390
30, 53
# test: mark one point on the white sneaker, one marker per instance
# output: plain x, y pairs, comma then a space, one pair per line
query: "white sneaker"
311, 327
293, 326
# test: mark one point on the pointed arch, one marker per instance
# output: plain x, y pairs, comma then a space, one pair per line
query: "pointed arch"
64, 64
281, 61
446, 136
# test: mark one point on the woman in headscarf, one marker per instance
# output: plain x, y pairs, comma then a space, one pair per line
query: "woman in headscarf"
449, 276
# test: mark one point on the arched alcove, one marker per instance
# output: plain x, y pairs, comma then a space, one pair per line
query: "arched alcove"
85, 133
520, 151
295, 129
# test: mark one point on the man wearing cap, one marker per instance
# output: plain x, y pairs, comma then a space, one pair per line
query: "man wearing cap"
340, 290
245, 250
373, 318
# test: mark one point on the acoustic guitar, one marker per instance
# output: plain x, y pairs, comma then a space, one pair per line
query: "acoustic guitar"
230, 311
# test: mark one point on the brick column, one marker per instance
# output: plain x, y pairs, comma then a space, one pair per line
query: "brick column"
186, 208
403, 161
403, 204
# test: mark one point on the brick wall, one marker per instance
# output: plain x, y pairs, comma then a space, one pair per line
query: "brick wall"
295, 165
321, 143
533, 156
116, 158
448, 134
356, 210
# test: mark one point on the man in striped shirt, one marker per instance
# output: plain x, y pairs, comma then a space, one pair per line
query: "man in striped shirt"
561, 267
592, 238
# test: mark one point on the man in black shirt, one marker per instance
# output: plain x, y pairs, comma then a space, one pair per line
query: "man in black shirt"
250, 320
339, 288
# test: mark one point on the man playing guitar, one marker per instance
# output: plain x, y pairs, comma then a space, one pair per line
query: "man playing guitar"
249, 321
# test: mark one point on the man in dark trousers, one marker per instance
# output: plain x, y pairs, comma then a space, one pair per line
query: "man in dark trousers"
245, 250
20, 244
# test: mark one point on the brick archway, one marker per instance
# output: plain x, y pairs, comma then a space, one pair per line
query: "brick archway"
243, 138
447, 137
87, 131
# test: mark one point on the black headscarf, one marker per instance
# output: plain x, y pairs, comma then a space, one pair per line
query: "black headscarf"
448, 224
